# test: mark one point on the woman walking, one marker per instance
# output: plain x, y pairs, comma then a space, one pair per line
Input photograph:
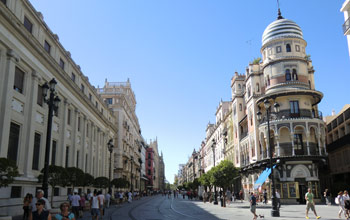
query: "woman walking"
341, 203
65, 214
26, 206
40, 213
346, 203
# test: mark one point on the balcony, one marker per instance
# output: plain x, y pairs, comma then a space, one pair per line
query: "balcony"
346, 27
303, 113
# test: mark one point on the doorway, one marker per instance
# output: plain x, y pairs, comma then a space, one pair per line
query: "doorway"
302, 189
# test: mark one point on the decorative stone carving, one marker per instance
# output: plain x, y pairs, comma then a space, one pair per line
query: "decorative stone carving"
17, 105
55, 127
39, 118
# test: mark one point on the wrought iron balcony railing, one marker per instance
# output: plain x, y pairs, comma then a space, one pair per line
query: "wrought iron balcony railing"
346, 26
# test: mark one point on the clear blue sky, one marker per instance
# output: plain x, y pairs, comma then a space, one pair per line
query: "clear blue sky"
180, 55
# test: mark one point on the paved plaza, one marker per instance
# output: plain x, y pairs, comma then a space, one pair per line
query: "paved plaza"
162, 208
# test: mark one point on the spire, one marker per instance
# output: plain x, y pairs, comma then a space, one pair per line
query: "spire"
279, 11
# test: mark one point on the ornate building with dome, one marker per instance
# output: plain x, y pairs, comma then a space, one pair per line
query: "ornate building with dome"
284, 79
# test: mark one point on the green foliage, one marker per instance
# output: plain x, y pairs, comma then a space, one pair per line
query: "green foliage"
75, 176
308, 57
56, 176
224, 174
88, 180
101, 182
8, 171
206, 179
256, 60
120, 183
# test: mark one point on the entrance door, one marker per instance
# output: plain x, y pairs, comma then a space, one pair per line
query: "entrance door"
302, 192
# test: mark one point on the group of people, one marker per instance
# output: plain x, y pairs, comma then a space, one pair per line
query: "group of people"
343, 200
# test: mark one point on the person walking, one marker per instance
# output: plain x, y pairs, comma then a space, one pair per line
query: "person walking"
65, 214
27, 206
82, 205
40, 195
346, 203
102, 202
74, 200
278, 198
228, 197
252, 201
241, 195
265, 196
340, 201
326, 195
121, 197
40, 213
310, 204
129, 197
108, 199
95, 206
204, 195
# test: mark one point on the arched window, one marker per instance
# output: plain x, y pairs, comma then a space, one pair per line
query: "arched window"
295, 75
288, 77
257, 87
288, 48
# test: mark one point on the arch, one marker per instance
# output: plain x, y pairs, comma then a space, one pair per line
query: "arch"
294, 74
288, 48
300, 171
287, 74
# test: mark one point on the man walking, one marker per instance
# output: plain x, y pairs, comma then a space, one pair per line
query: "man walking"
40, 195
310, 204
74, 199
278, 198
252, 201
108, 199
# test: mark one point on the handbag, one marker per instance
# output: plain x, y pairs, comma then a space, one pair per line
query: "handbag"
337, 200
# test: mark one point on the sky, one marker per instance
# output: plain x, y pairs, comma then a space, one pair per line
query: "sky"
180, 55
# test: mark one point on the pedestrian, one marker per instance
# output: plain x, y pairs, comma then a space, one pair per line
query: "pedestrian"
82, 205
241, 195
346, 203
310, 203
40, 195
65, 214
74, 200
340, 201
228, 197
121, 197
40, 213
278, 198
326, 195
129, 197
252, 201
102, 201
204, 195
27, 206
265, 196
95, 205
108, 199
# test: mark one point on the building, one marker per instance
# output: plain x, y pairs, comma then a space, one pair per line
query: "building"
161, 172
158, 166
346, 26
338, 148
30, 55
150, 168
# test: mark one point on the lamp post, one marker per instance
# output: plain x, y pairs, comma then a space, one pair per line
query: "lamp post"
275, 211
110, 148
132, 163
52, 102
213, 148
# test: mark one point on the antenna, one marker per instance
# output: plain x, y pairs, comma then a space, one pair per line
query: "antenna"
279, 11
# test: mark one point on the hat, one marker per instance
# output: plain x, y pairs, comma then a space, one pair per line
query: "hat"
75, 191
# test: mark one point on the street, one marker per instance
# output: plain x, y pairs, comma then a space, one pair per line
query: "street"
159, 208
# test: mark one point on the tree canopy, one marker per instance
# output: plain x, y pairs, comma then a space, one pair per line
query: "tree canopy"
8, 171
101, 182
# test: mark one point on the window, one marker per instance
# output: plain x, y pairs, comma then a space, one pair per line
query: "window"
288, 76
288, 48
239, 86
149, 171
36, 151
278, 49
56, 191
19, 80
96, 104
90, 96
294, 108
13, 142
47, 46
86, 161
53, 153
87, 130
27, 24
68, 116
79, 123
249, 91
61, 63
16, 191
234, 110
67, 156
297, 48
257, 87
294, 74
82, 87
40, 97
298, 141
77, 165
73, 77
149, 163
109, 101
149, 155
268, 80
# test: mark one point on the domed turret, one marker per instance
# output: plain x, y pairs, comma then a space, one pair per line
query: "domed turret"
281, 28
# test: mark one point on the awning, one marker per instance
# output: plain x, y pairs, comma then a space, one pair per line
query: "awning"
262, 177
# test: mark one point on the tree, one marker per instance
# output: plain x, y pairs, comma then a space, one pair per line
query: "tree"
88, 180
196, 184
75, 177
56, 177
224, 174
205, 180
101, 182
120, 183
8, 171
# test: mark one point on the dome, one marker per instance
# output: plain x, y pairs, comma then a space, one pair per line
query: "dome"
281, 28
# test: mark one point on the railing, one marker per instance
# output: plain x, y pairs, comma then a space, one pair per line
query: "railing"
346, 26
243, 135
286, 114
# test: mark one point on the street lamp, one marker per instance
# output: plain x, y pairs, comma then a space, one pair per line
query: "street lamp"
275, 211
52, 102
213, 148
132, 163
110, 148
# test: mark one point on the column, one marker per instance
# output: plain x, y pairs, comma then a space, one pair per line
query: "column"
319, 143
278, 145
307, 142
74, 138
7, 82
292, 138
62, 143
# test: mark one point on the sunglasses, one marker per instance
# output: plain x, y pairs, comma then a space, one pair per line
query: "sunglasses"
38, 204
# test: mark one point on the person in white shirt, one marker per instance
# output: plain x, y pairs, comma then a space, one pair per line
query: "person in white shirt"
95, 206
40, 195
278, 199
75, 203
102, 200
108, 199
129, 197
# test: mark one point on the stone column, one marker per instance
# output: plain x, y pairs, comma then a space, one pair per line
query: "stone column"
292, 138
74, 137
6, 86
63, 130
278, 145
319, 143
307, 142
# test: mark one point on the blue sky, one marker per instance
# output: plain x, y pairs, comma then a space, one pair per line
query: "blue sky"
180, 55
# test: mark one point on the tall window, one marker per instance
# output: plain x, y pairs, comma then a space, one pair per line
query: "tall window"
294, 74
73, 77
257, 87
288, 48
13, 142
79, 123
40, 97
268, 80
82, 87
86, 161
47, 47
77, 165
298, 141
27, 24
288, 76
53, 153
294, 108
61, 63
36, 151
67, 156
68, 116
87, 129
149, 156
19, 80
90, 96
109, 101
278, 49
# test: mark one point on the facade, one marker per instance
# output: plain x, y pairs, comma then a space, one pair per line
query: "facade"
150, 167
30, 55
346, 26
338, 148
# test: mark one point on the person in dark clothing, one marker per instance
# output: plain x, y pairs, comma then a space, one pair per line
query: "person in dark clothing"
40, 213
253, 204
